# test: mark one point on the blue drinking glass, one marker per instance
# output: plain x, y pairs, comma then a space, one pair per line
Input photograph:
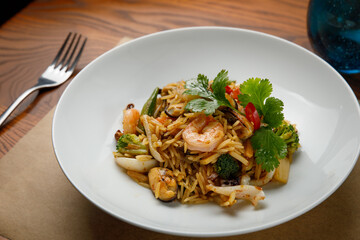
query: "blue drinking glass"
334, 32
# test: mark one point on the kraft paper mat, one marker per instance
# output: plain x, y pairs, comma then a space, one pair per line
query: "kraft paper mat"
38, 202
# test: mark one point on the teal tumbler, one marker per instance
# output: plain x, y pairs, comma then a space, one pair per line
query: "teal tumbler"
334, 32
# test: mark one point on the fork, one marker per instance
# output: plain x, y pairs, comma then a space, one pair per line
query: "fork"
56, 74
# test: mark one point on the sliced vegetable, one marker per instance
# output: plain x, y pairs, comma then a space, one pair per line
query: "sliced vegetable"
150, 105
232, 91
282, 172
153, 151
136, 165
252, 115
228, 89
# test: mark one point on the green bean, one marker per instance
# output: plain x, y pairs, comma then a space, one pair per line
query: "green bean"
150, 105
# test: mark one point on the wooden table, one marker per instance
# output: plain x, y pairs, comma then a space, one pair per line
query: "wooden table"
29, 40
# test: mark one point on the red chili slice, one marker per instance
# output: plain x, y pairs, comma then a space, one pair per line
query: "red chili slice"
252, 115
228, 89
233, 92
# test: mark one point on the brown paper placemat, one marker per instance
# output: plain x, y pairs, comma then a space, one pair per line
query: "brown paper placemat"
38, 202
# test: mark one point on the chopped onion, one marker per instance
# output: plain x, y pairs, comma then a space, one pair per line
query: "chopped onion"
153, 152
136, 165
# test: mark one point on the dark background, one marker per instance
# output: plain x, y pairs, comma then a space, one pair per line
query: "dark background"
11, 8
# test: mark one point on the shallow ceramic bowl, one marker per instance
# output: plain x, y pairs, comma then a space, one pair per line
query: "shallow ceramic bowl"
316, 98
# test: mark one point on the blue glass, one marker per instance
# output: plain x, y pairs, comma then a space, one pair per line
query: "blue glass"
334, 32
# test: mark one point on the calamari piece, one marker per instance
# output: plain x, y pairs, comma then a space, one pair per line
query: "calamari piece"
245, 179
246, 192
264, 180
136, 165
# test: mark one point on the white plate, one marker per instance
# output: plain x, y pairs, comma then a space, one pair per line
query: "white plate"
316, 98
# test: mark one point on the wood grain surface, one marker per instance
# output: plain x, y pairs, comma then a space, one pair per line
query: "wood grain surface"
29, 40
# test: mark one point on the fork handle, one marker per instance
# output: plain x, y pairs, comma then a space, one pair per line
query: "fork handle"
16, 103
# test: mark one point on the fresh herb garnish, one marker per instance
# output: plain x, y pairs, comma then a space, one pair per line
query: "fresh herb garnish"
210, 100
267, 145
258, 92
268, 148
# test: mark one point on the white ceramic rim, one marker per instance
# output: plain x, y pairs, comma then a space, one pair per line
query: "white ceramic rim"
201, 234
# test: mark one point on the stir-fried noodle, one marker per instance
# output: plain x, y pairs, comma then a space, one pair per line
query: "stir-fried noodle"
175, 151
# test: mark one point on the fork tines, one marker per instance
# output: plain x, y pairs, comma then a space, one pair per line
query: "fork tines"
65, 61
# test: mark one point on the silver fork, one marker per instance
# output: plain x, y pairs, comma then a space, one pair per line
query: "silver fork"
57, 73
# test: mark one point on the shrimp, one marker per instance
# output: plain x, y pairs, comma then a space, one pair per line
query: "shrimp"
246, 192
130, 119
203, 134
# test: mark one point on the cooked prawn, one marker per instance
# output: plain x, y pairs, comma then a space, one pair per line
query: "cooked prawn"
203, 134
130, 119
246, 192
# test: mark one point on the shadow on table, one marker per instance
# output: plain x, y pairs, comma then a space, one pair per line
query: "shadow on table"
354, 82
10, 8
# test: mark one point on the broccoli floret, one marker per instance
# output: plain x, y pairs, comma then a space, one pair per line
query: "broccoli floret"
227, 167
290, 135
131, 144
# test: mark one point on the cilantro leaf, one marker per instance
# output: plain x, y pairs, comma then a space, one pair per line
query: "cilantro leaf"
200, 104
211, 99
198, 86
218, 86
272, 111
268, 148
258, 92
255, 90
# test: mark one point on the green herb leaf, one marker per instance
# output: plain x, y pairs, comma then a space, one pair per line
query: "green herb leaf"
255, 90
272, 111
198, 86
258, 92
211, 99
218, 87
268, 148
200, 104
